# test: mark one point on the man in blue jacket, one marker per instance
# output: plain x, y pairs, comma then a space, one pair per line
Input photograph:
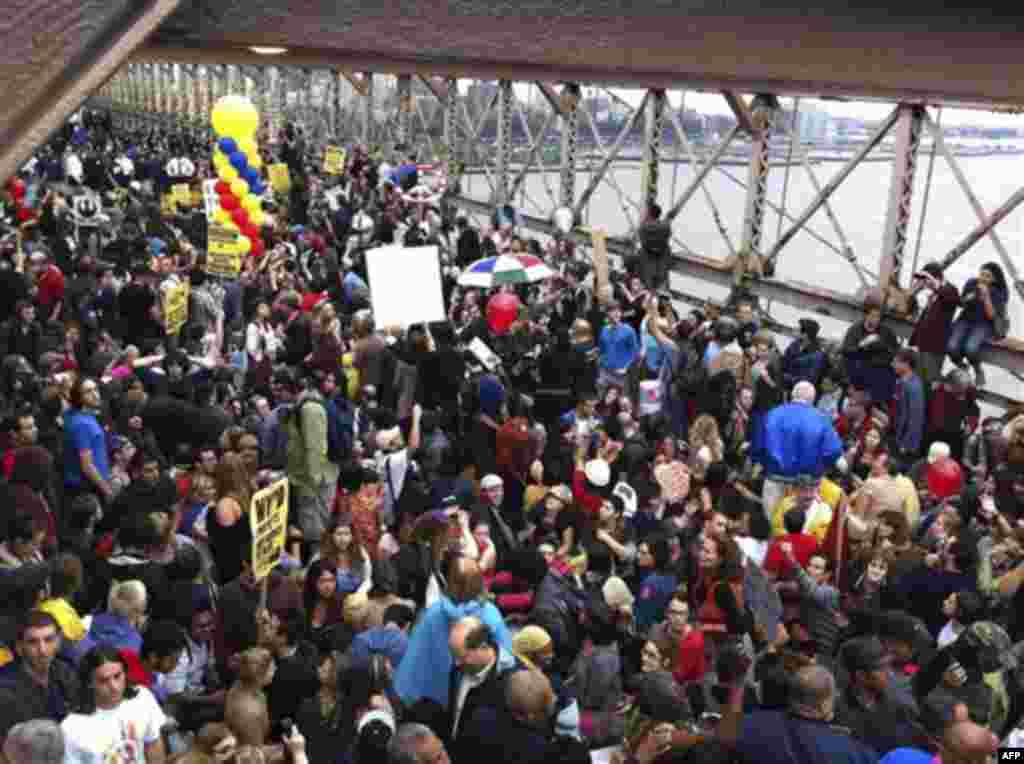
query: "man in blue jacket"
619, 348
795, 439
908, 429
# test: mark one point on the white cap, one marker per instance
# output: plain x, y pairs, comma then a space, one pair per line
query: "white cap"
598, 472
491, 481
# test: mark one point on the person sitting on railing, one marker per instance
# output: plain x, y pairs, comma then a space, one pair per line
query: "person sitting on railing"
982, 318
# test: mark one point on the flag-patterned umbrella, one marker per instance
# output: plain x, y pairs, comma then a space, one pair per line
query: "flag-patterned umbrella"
505, 269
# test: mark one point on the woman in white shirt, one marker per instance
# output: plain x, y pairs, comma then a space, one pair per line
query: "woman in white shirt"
261, 345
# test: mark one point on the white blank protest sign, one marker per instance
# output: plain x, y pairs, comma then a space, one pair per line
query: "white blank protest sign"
405, 285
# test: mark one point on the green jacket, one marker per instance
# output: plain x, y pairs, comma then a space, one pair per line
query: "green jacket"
306, 425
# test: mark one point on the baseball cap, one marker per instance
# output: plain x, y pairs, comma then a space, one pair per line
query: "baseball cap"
598, 472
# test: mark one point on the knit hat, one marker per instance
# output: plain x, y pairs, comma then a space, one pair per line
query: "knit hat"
617, 595
598, 473
992, 646
492, 395
529, 640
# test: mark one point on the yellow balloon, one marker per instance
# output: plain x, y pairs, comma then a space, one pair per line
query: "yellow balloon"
244, 245
239, 188
228, 174
256, 217
231, 225
255, 160
234, 116
222, 215
248, 146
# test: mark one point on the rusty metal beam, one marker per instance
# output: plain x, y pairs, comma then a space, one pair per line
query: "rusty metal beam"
741, 111
436, 85
552, 97
1007, 354
711, 65
359, 82
56, 55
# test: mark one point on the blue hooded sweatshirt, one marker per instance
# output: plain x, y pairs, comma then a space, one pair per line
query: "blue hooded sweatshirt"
426, 668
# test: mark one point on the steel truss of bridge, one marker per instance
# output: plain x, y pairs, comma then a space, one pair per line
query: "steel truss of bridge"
390, 76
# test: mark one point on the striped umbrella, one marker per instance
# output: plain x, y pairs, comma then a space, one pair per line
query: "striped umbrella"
505, 269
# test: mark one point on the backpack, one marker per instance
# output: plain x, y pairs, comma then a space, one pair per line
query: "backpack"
338, 447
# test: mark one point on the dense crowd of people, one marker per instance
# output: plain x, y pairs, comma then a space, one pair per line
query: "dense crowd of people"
641, 535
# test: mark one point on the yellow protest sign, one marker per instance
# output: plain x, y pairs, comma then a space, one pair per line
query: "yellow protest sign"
175, 308
182, 194
223, 256
268, 518
334, 160
280, 180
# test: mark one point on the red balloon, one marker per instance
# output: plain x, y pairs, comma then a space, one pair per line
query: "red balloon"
18, 188
222, 187
502, 312
25, 214
251, 231
241, 218
945, 478
257, 248
228, 202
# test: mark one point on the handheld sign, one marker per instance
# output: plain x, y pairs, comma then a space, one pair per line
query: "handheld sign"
417, 297
280, 179
223, 257
268, 518
175, 305
334, 160
211, 201
599, 241
182, 194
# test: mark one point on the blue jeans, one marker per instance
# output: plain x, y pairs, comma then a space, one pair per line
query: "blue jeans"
967, 340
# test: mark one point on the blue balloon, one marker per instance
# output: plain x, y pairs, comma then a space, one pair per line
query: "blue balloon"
251, 175
239, 161
258, 188
228, 145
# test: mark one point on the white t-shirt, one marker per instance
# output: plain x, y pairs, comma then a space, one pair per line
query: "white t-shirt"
115, 736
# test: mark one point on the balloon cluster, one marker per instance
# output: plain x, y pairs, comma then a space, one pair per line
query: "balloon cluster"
16, 187
237, 162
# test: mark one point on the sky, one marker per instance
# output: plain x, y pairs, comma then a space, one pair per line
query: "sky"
712, 103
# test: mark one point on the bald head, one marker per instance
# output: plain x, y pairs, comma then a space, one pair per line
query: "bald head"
804, 392
529, 695
472, 645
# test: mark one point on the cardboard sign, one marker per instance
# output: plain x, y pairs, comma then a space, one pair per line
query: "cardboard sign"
175, 304
182, 194
599, 241
211, 200
405, 285
268, 518
334, 160
280, 179
223, 257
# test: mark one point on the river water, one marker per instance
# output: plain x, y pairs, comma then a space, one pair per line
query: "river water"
859, 205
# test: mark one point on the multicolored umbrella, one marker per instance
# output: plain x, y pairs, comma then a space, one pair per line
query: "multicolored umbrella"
505, 269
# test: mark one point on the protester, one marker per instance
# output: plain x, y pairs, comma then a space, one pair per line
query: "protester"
592, 525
